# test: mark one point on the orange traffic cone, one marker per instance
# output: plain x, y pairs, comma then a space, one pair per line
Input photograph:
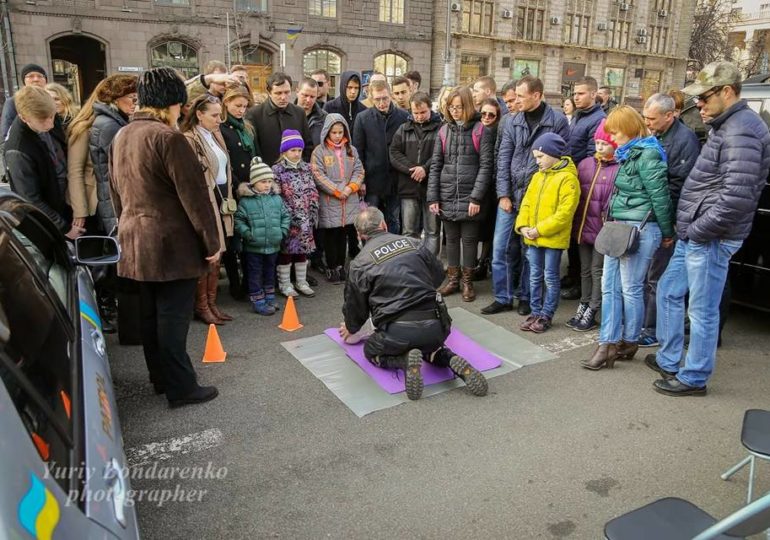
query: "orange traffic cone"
214, 351
290, 321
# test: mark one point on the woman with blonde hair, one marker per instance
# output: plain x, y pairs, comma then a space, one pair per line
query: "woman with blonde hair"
460, 176
642, 200
66, 107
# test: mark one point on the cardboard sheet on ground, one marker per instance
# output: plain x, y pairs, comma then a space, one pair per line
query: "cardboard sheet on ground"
325, 359
393, 381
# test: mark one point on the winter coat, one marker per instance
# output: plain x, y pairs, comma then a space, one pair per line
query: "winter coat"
167, 224
32, 172
315, 121
372, 136
720, 196
581, 132
515, 162
269, 124
340, 105
549, 205
334, 169
262, 220
107, 123
81, 180
597, 181
240, 156
8, 116
641, 186
682, 150
459, 175
300, 196
412, 146
208, 160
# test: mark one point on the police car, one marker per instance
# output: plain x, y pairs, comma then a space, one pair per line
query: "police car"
63, 469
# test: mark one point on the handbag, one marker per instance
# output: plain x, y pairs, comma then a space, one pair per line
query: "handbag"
616, 239
227, 206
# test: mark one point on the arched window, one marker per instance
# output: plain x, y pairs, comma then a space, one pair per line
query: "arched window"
391, 64
258, 62
323, 59
176, 54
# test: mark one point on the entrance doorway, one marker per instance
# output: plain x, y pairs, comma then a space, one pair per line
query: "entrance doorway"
79, 63
258, 62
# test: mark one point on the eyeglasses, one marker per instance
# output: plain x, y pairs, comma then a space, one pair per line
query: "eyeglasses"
489, 114
703, 98
455, 108
207, 99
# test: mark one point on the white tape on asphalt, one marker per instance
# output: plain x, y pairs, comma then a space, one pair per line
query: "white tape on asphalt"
170, 448
571, 342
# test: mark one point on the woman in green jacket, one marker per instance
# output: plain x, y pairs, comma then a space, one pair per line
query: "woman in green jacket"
641, 199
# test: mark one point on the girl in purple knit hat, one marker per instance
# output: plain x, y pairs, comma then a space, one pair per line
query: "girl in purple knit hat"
298, 190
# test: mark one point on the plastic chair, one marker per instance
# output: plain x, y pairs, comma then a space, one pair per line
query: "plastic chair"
676, 519
755, 437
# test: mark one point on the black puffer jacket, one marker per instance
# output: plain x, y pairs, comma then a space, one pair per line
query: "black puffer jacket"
460, 175
720, 197
372, 136
340, 105
682, 149
412, 146
392, 275
107, 123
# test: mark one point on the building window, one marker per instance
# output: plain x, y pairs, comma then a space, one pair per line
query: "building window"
472, 67
253, 55
477, 17
618, 34
392, 65
529, 23
323, 8
576, 29
177, 55
251, 5
392, 11
614, 78
323, 59
657, 39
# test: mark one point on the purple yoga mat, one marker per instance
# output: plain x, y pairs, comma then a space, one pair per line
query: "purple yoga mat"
393, 382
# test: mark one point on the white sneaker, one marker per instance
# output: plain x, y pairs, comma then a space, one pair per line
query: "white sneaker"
304, 289
287, 289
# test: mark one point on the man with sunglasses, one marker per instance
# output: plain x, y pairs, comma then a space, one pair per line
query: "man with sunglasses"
716, 209
321, 76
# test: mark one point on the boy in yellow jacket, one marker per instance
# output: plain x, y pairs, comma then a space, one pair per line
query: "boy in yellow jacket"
545, 222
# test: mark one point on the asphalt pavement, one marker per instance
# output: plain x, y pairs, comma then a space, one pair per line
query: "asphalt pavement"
554, 451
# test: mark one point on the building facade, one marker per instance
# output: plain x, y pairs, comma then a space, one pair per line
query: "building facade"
82, 41
636, 47
749, 38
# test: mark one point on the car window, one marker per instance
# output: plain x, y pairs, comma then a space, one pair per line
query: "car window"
765, 114
755, 105
35, 364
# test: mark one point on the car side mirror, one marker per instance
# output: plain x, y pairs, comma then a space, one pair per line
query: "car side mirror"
97, 250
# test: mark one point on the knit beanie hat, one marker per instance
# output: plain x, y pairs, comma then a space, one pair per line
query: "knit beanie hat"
33, 68
550, 144
291, 138
259, 171
602, 135
115, 87
161, 88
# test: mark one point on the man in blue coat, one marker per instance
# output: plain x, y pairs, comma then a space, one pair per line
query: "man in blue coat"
715, 213
515, 167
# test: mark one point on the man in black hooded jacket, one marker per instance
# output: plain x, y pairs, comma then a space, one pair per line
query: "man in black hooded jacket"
347, 103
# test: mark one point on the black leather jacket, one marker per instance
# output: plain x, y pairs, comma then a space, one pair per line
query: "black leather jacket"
392, 275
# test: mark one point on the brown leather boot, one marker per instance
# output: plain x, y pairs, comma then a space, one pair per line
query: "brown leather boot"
211, 291
469, 295
202, 311
452, 284
626, 351
604, 356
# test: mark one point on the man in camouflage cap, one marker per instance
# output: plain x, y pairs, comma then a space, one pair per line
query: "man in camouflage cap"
715, 213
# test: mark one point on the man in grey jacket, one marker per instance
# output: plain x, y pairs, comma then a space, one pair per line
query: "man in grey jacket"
715, 213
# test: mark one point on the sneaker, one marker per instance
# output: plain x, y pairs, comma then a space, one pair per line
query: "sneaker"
271, 301
525, 326
587, 322
524, 308
287, 290
261, 307
473, 379
332, 276
303, 287
413, 376
540, 325
496, 307
578, 315
648, 340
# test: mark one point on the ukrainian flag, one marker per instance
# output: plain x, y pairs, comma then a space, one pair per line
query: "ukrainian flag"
293, 33
39, 510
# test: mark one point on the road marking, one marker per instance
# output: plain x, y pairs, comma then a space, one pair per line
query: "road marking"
170, 448
569, 343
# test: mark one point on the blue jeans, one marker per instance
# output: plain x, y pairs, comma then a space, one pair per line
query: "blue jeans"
544, 262
261, 273
507, 255
701, 268
390, 206
623, 289
411, 212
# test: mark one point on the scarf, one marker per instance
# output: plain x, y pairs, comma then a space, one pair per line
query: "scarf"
342, 143
240, 128
621, 154
289, 164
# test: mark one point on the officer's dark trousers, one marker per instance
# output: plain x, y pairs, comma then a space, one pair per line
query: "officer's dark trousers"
386, 347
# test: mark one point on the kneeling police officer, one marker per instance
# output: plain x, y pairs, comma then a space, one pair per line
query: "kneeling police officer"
393, 280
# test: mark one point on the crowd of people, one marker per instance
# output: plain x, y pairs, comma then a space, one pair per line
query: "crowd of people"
207, 172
